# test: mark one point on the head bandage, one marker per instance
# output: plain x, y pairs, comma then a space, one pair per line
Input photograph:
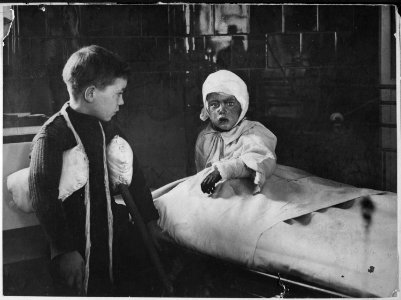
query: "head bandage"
227, 82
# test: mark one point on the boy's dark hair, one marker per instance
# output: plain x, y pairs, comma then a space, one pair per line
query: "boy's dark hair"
93, 65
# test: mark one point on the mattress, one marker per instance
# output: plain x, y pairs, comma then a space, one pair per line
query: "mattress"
337, 248
301, 225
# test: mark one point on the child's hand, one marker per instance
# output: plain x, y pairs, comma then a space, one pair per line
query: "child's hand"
71, 269
208, 185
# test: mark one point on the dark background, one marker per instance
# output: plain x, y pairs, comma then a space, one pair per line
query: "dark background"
301, 63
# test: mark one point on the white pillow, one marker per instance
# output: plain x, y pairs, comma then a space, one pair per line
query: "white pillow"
119, 162
18, 186
74, 173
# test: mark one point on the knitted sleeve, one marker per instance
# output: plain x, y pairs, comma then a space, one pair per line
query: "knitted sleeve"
45, 170
141, 194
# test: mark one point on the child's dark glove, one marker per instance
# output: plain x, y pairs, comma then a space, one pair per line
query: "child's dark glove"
208, 184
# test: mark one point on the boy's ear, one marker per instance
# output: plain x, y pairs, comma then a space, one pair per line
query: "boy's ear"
90, 93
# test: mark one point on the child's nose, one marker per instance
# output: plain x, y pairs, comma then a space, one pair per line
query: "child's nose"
222, 108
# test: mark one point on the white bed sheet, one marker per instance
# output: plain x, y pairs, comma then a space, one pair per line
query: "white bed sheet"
334, 248
235, 225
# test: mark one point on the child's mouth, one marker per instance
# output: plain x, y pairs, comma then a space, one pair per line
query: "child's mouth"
223, 120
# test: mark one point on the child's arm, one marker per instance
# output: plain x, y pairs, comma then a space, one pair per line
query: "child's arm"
45, 171
138, 187
257, 159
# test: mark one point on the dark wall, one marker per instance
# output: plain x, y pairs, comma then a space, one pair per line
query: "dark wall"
301, 64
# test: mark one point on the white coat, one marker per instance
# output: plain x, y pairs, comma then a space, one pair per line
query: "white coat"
245, 151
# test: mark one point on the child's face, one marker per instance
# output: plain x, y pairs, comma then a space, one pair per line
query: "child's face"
108, 100
224, 110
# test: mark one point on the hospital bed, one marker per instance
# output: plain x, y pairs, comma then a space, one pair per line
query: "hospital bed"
339, 249
347, 248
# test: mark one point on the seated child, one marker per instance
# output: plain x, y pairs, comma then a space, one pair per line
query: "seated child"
234, 146
245, 208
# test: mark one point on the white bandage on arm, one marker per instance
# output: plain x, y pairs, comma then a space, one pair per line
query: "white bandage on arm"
233, 168
262, 164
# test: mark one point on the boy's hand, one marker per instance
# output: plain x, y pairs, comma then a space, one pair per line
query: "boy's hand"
71, 267
208, 185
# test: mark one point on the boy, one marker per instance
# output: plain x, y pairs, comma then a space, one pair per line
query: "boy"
234, 146
83, 223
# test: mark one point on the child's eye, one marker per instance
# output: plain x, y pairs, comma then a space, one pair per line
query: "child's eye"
214, 105
231, 103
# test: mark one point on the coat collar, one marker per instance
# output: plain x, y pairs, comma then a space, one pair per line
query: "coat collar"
233, 134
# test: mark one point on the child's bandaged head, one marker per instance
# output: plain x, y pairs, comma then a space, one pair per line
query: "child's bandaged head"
227, 82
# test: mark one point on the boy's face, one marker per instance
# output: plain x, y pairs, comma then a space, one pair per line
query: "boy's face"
107, 101
224, 110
